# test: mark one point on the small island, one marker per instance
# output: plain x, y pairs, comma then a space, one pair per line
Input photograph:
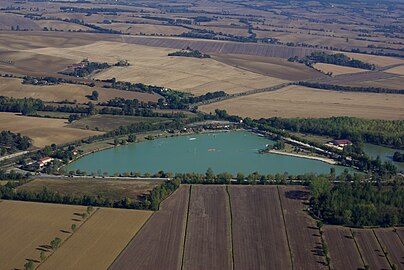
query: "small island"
189, 52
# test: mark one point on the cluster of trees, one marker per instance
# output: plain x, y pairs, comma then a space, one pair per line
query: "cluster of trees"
357, 203
335, 59
160, 193
380, 132
339, 59
189, 52
11, 142
335, 87
398, 157
87, 69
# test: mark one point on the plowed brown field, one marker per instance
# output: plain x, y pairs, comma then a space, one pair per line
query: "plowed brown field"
370, 249
158, 245
343, 251
259, 236
208, 243
395, 248
304, 237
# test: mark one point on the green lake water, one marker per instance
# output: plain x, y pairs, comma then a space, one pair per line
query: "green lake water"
223, 152
384, 153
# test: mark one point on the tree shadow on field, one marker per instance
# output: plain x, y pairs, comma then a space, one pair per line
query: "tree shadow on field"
75, 219
32, 260
64, 231
44, 248
297, 195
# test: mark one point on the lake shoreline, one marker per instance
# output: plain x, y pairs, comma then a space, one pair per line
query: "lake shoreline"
326, 160
196, 152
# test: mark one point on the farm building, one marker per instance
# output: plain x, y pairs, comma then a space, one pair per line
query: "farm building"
341, 143
43, 161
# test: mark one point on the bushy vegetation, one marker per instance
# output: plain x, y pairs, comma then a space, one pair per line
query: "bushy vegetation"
335, 59
398, 157
357, 203
11, 142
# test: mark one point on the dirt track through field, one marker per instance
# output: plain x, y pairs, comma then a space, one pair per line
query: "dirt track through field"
158, 244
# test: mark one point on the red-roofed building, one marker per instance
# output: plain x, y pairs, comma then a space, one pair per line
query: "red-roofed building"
43, 161
341, 143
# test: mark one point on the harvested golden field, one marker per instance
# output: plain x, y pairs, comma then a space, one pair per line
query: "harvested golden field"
336, 70
299, 101
99, 241
8, 21
43, 131
396, 70
26, 226
381, 61
151, 65
12, 87
145, 28
269, 66
60, 25
109, 189
32, 39
28, 63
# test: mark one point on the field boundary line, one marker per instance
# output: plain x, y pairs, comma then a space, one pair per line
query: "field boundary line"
231, 227
133, 238
357, 246
286, 230
246, 93
399, 237
186, 229
67, 238
385, 252
141, 228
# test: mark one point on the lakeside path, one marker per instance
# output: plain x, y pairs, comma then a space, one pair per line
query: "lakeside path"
326, 160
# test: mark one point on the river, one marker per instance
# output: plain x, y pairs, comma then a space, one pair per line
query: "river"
223, 152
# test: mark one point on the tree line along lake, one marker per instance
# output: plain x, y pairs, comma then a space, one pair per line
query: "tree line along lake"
233, 152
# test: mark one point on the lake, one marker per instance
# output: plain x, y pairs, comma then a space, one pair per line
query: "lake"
232, 152
384, 153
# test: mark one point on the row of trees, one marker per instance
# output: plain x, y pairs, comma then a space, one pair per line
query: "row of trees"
357, 203
345, 88
150, 201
